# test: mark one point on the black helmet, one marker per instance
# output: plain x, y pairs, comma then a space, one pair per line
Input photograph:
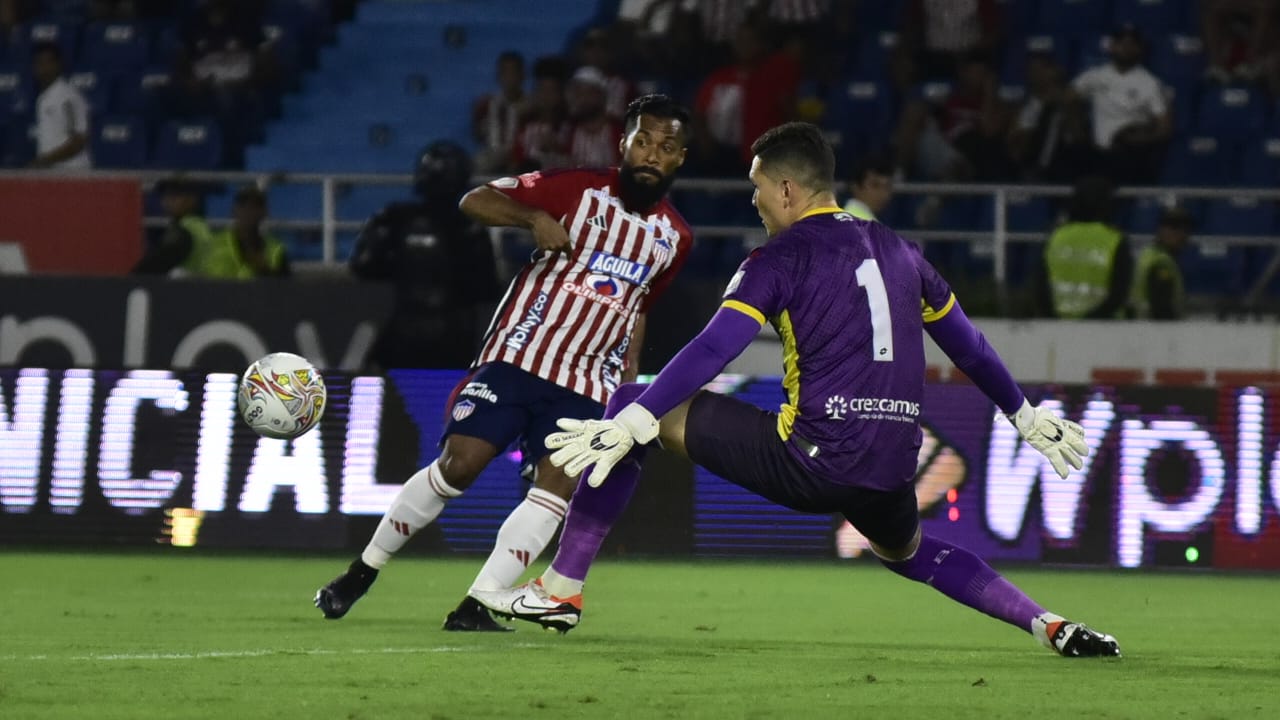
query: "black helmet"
443, 171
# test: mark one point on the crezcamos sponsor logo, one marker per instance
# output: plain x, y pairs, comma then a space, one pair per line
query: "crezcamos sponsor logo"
883, 408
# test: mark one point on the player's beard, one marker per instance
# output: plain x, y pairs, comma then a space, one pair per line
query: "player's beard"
638, 195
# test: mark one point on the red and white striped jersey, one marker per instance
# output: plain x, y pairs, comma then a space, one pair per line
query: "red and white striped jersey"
568, 317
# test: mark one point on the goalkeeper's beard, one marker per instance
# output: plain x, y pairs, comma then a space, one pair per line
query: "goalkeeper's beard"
638, 195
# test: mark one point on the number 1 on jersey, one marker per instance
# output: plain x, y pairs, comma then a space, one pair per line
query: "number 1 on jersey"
869, 277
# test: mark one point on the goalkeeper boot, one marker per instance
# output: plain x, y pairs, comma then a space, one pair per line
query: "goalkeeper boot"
531, 602
336, 598
471, 616
1071, 639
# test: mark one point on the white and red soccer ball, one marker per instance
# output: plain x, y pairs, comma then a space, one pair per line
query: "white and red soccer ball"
281, 396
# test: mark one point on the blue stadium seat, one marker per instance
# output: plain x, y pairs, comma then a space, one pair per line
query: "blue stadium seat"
142, 93
1230, 112
1024, 213
1155, 17
188, 145
294, 202
17, 148
871, 61
1019, 17
1143, 215
94, 86
64, 35
359, 202
1209, 267
1014, 69
860, 107
1259, 164
881, 15
1239, 216
119, 142
963, 213
285, 49
1178, 60
1092, 49
15, 93
1073, 16
116, 46
1196, 161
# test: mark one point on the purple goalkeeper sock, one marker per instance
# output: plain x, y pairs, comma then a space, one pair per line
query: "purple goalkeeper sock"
593, 511
965, 578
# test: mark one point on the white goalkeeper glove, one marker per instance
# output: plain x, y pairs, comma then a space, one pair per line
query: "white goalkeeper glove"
1058, 439
602, 443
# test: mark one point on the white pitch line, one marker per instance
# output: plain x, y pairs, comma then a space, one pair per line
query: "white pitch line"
202, 655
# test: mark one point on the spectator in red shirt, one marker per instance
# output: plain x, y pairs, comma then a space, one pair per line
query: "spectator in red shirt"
495, 117
593, 139
964, 137
738, 102
598, 51
543, 136
939, 34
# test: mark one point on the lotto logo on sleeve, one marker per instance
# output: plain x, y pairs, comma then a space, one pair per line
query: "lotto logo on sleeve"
614, 266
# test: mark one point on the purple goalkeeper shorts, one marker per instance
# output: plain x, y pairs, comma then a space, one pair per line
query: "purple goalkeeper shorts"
739, 442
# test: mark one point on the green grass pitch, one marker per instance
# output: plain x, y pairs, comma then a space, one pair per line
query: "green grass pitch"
171, 635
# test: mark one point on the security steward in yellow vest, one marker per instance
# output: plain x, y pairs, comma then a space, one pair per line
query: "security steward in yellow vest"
1088, 266
1158, 292
190, 247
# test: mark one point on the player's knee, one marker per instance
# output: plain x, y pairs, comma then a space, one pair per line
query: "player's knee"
460, 466
553, 480
624, 396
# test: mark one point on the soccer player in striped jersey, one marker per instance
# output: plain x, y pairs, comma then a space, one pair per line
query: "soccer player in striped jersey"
565, 336
851, 301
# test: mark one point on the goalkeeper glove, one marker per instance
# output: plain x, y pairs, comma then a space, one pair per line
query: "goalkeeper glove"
1058, 439
602, 443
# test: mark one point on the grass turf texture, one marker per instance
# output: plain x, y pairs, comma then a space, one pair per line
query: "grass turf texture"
190, 636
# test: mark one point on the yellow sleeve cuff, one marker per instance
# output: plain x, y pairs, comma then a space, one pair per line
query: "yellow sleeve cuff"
745, 309
931, 315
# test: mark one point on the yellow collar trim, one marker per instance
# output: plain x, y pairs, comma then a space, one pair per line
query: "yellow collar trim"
820, 211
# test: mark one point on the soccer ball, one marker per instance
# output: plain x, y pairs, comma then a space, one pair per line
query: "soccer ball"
281, 396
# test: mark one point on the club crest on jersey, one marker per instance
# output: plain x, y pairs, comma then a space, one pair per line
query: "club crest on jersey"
614, 266
663, 246
463, 410
603, 285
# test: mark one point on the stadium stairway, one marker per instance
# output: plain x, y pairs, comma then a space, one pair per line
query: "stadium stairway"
404, 73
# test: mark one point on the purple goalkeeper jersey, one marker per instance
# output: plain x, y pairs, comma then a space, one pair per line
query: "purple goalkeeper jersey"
849, 299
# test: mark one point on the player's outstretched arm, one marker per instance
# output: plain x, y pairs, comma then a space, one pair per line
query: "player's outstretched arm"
493, 208
1058, 439
603, 443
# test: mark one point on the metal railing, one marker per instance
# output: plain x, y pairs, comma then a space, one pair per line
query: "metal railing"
328, 225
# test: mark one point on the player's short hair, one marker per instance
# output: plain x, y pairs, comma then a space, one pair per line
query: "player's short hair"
877, 163
659, 106
511, 56
799, 150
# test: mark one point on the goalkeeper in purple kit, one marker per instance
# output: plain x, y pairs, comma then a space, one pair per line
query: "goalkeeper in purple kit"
849, 298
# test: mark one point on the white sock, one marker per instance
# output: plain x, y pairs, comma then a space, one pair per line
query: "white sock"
560, 586
522, 538
1040, 627
417, 504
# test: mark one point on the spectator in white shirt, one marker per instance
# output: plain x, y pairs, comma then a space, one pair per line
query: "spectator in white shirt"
62, 115
1130, 116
